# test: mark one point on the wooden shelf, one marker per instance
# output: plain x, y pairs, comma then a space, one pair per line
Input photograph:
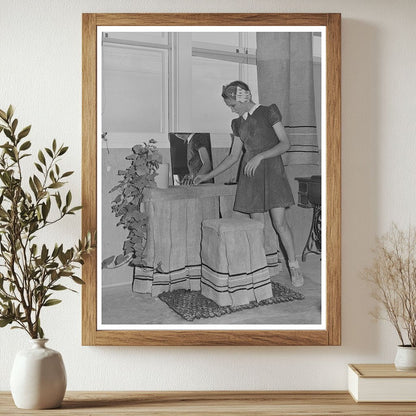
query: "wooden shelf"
221, 403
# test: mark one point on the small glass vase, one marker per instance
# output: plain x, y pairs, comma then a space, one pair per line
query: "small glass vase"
38, 377
405, 358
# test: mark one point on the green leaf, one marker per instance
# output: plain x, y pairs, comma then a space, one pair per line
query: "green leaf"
59, 287
67, 174
33, 187
39, 167
14, 125
24, 132
56, 185
77, 208
63, 150
3, 116
44, 253
54, 145
40, 332
41, 157
34, 249
37, 182
5, 321
58, 199
8, 133
10, 112
76, 279
49, 151
45, 211
25, 145
51, 302
68, 199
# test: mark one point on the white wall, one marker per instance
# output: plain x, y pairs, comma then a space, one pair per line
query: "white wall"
40, 73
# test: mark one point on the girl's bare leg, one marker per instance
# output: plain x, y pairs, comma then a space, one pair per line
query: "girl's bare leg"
281, 226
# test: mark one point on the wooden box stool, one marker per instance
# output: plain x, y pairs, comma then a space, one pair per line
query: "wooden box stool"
234, 267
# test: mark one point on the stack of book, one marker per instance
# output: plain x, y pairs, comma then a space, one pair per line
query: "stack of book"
381, 383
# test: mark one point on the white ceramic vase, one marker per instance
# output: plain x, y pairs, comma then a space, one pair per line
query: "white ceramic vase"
405, 358
38, 377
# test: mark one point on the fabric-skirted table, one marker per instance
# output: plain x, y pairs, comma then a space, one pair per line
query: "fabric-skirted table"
173, 249
234, 266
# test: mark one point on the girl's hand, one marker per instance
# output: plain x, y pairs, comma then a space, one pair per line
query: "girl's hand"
200, 178
252, 165
187, 180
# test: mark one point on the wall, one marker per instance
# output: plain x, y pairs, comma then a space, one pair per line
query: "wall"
41, 75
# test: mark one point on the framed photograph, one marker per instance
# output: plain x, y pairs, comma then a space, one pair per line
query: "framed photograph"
211, 172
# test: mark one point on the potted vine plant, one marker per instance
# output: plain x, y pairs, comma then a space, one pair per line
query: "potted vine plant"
131, 189
31, 273
393, 277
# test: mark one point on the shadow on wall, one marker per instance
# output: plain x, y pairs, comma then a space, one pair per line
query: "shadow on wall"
360, 179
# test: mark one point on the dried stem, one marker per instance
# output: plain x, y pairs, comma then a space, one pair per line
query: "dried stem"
393, 276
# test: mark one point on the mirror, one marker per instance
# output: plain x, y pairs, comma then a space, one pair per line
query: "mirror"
190, 155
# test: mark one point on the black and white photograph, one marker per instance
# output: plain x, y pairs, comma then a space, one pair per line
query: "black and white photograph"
211, 146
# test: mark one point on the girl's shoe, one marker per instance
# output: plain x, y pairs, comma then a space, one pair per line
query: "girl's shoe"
296, 274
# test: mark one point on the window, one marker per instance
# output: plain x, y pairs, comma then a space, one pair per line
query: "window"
134, 85
133, 90
217, 59
156, 82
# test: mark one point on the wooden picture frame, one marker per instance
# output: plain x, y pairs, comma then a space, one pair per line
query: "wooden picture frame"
331, 334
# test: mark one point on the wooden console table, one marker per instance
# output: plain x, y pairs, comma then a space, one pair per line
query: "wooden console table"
269, 403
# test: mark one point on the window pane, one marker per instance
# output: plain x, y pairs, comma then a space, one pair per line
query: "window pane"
220, 38
208, 77
152, 37
316, 45
133, 88
251, 40
252, 82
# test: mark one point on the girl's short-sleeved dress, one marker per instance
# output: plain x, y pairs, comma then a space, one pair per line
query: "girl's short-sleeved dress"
268, 187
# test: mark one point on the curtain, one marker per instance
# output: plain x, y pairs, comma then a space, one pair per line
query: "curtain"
285, 77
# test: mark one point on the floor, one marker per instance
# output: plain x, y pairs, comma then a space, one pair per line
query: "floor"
122, 307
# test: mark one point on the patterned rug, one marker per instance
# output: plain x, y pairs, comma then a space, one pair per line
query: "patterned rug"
192, 305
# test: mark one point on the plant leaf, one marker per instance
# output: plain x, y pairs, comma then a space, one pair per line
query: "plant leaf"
24, 133
10, 112
63, 151
41, 157
67, 174
59, 287
56, 185
5, 321
51, 302
76, 279
68, 199
39, 167
25, 145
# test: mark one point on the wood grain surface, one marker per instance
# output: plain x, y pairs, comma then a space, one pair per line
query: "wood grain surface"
269, 403
380, 371
332, 334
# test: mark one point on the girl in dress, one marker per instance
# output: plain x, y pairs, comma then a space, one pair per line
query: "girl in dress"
262, 184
